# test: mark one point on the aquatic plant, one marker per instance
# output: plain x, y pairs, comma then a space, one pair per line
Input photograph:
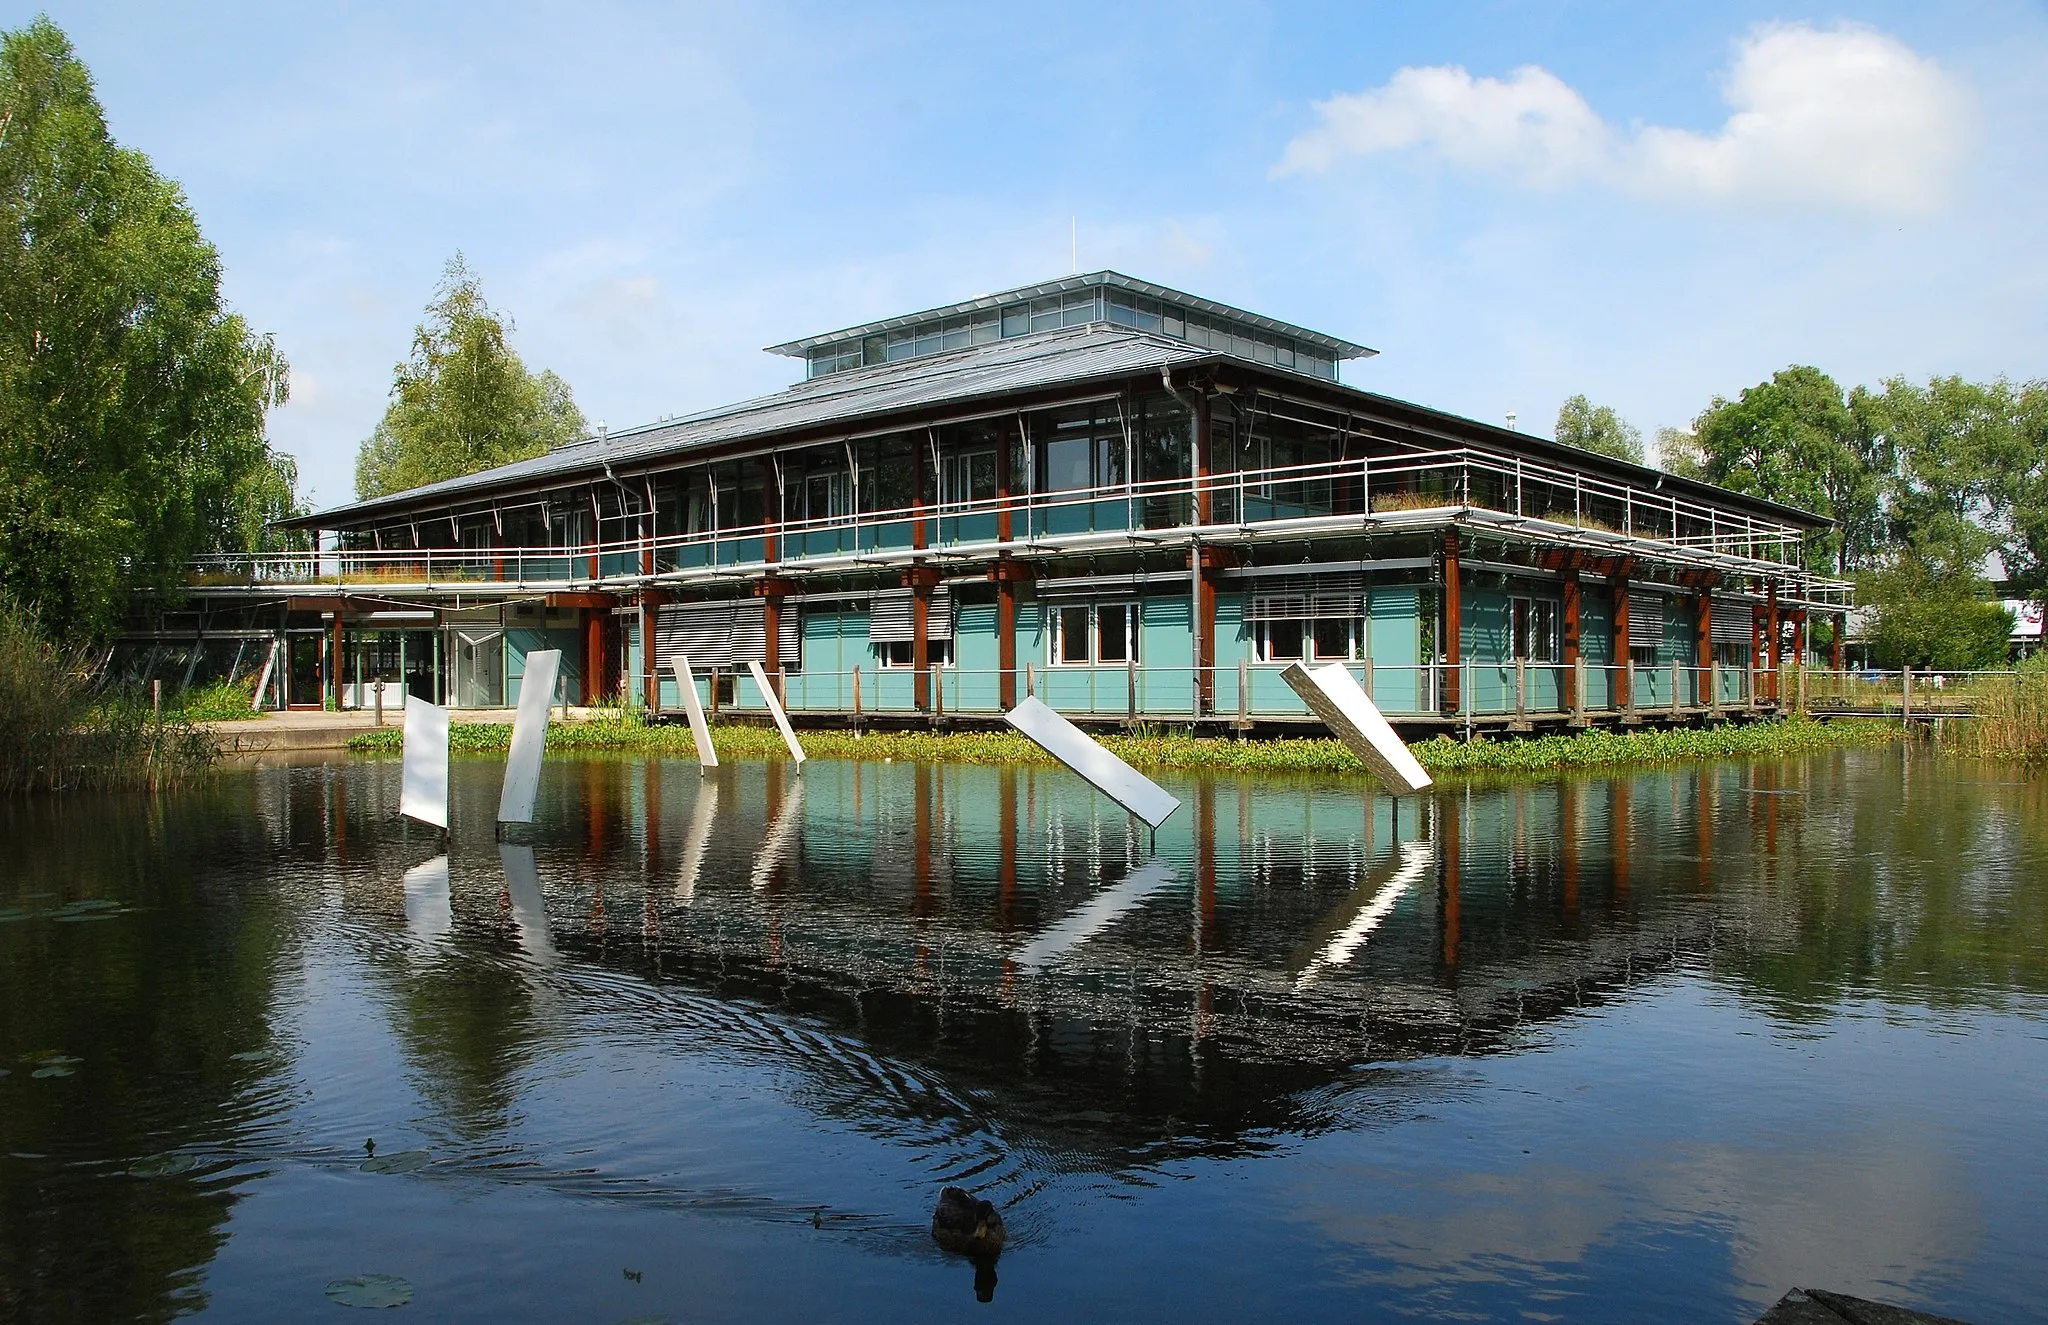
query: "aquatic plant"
1155, 748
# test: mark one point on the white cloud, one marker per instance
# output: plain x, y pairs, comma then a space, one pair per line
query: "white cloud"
1846, 116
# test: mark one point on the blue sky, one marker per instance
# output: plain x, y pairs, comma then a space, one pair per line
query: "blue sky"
1649, 204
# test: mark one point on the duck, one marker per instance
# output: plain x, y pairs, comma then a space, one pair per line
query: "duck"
968, 1225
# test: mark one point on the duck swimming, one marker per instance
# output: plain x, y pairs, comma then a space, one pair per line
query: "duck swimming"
967, 1225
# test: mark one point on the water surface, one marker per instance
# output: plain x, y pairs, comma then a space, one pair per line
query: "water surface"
1655, 1045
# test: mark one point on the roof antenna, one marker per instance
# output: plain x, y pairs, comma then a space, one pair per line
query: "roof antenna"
1074, 245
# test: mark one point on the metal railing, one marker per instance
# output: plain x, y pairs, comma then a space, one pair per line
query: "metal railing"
1421, 490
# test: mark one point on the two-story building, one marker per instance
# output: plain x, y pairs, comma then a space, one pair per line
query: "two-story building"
1130, 501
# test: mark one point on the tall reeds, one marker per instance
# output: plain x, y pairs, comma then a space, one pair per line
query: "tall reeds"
2012, 717
56, 734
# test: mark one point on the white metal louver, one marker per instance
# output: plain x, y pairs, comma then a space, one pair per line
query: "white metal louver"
729, 632
889, 616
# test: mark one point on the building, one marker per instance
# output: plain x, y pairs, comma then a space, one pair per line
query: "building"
1135, 503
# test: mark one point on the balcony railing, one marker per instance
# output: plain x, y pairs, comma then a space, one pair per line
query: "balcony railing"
1513, 499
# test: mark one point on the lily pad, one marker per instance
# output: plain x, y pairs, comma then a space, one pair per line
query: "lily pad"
163, 1166
254, 1056
54, 1070
398, 1161
80, 917
9, 913
370, 1290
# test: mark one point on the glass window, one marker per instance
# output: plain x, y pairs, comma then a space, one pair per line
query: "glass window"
871, 350
1333, 639
1283, 641
896, 345
1542, 630
1016, 320
1066, 464
1113, 633
823, 361
986, 326
1045, 313
1171, 322
1122, 307
894, 653
953, 335
927, 339
1071, 635
1148, 315
1078, 307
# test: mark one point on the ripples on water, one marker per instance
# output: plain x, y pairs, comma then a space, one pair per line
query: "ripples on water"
1659, 1044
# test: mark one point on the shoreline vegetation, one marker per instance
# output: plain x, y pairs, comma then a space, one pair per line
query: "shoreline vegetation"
2011, 723
1441, 755
63, 736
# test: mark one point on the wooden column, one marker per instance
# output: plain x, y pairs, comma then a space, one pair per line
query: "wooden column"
334, 667
593, 655
1703, 628
1453, 609
1209, 561
1621, 684
772, 590
921, 580
1008, 574
1568, 689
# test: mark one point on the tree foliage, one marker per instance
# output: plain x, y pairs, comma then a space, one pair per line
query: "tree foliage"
1927, 615
1598, 428
1794, 440
132, 402
463, 401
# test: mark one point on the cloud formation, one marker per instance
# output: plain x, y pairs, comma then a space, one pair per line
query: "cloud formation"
1844, 116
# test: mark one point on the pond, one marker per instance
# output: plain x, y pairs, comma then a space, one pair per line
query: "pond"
1655, 1045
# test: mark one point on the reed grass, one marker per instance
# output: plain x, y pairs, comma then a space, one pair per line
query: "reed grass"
61, 736
1177, 750
2011, 721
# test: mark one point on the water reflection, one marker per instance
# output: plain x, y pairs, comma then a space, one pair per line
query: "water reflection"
989, 976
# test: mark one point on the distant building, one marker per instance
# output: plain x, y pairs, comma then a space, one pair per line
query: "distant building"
1135, 502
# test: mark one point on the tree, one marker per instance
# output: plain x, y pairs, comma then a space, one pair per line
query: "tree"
2023, 494
464, 401
1925, 615
1598, 428
1678, 452
1950, 444
1794, 440
132, 402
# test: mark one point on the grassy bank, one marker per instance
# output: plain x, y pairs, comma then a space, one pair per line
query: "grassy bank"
2011, 721
1590, 749
61, 736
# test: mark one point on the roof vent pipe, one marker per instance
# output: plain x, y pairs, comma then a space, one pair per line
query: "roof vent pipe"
1511, 421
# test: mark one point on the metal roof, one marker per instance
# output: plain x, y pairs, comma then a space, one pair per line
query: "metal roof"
1078, 354
1342, 349
1097, 351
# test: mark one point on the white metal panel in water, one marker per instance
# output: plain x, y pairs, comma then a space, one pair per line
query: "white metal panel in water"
774, 703
423, 789
529, 737
700, 731
1077, 750
1334, 695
